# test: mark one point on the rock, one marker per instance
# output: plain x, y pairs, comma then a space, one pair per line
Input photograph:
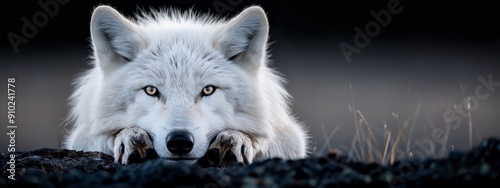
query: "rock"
479, 167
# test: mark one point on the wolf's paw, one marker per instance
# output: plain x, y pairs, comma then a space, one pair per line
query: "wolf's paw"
230, 146
129, 140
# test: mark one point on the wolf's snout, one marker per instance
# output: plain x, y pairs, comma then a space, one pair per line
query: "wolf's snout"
180, 142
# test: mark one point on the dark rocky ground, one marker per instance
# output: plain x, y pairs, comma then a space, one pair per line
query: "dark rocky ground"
479, 167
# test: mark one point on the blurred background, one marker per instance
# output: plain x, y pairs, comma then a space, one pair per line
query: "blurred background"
413, 73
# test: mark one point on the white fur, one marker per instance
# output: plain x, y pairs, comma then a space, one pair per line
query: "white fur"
180, 53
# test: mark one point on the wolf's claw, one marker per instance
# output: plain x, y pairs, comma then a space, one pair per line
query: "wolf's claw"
230, 146
129, 140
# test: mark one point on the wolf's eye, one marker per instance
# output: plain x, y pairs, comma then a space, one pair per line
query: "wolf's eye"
151, 90
208, 90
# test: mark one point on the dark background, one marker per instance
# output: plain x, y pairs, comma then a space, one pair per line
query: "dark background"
415, 64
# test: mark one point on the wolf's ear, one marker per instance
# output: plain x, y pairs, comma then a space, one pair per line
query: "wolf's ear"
116, 40
244, 38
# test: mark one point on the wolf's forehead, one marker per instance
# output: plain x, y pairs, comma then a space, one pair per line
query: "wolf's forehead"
180, 42
181, 52
185, 32
182, 60
187, 37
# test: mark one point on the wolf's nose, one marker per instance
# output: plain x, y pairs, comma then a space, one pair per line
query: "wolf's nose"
180, 142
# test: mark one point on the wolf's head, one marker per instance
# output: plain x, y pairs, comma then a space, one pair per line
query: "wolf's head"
182, 77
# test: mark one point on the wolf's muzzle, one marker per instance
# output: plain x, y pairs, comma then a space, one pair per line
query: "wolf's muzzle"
180, 142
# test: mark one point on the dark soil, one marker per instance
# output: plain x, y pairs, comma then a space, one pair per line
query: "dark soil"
479, 167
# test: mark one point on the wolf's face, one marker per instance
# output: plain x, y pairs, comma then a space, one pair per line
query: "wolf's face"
182, 81
183, 91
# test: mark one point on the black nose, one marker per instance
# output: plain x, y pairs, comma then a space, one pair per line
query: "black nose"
180, 142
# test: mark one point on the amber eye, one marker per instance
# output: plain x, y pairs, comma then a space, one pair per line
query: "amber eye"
208, 90
151, 90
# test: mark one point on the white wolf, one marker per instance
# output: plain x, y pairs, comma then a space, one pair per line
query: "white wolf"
183, 84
